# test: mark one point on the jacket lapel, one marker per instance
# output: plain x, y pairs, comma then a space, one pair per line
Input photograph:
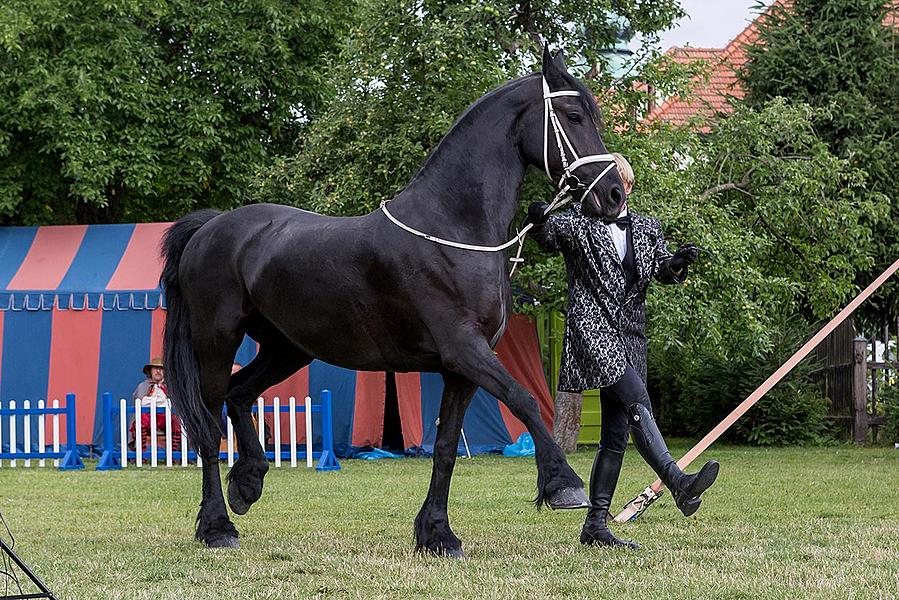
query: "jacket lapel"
643, 251
603, 238
608, 244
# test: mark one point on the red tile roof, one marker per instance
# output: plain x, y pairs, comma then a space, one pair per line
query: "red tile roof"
709, 97
713, 97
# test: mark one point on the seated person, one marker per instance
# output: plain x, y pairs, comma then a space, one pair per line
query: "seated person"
149, 390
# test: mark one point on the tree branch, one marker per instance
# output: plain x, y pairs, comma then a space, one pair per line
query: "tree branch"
715, 189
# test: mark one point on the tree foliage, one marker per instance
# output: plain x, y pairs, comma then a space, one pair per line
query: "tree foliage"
408, 69
144, 109
841, 56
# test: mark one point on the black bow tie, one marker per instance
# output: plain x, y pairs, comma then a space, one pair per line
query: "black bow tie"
622, 222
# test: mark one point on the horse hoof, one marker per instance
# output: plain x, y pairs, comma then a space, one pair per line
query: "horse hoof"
236, 501
228, 541
453, 553
568, 498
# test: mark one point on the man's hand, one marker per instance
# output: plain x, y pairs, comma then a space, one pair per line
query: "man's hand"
684, 257
536, 213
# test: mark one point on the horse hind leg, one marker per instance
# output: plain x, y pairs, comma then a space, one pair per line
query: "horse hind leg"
214, 527
432, 529
277, 360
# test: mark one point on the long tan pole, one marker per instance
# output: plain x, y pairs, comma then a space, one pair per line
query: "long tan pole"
638, 504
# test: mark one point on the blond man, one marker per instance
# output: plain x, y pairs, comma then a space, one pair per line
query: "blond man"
610, 264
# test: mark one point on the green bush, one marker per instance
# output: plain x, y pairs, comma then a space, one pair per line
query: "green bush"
694, 392
792, 413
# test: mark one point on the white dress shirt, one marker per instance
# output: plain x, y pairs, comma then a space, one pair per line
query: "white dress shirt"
619, 236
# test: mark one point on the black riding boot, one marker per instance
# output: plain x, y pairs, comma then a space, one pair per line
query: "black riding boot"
603, 478
686, 489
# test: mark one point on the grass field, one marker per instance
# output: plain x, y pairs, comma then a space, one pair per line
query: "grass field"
780, 523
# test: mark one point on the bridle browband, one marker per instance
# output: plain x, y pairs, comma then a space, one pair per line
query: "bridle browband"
568, 183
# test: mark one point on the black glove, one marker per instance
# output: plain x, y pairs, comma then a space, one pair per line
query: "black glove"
536, 214
683, 257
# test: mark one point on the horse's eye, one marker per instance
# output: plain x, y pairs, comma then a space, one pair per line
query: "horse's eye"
574, 117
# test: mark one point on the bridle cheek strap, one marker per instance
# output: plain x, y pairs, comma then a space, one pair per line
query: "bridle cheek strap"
568, 177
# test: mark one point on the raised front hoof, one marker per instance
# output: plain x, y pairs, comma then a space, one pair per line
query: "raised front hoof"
568, 498
228, 541
238, 498
245, 484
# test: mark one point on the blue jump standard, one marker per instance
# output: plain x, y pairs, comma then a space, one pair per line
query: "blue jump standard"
70, 459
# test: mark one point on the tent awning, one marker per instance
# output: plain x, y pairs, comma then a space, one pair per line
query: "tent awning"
113, 267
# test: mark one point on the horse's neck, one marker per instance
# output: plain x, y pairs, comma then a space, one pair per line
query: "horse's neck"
468, 188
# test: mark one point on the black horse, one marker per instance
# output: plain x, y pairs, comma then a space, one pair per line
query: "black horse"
362, 293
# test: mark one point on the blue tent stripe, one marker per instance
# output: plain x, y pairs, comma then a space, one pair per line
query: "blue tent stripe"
431, 393
484, 425
14, 245
342, 383
26, 364
97, 258
124, 350
246, 352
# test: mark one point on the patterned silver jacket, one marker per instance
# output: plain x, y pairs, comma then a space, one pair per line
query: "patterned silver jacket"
605, 326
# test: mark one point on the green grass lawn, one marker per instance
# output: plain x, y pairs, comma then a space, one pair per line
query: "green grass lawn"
780, 523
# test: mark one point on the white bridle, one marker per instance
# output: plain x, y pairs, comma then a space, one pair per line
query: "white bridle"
569, 179
568, 183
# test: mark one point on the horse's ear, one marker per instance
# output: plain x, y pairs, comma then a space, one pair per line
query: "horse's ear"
560, 61
551, 71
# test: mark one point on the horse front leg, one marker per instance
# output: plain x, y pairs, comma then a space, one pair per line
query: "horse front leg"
557, 484
432, 529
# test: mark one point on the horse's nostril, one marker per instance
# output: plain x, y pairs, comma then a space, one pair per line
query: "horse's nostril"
616, 194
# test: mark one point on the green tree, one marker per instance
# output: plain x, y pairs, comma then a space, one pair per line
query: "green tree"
144, 109
788, 227
841, 56
409, 69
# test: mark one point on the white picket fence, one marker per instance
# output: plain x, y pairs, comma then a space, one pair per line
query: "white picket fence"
117, 455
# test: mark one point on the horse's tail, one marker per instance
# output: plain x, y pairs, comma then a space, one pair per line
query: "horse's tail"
182, 372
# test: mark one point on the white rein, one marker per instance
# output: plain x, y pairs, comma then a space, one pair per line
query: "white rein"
561, 198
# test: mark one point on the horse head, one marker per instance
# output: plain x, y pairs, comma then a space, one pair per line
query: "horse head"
561, 136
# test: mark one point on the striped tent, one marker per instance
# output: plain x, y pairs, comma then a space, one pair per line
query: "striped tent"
81, 311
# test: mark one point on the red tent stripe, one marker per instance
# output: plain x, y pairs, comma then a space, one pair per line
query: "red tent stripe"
49, 257
515, 350
157, 325
141, 265
408, 394
368, 419
75, 364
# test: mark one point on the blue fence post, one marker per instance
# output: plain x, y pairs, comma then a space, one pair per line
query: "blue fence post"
110, 459
71, 461
327, 461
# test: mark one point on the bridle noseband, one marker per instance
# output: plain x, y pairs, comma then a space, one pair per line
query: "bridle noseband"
567, 184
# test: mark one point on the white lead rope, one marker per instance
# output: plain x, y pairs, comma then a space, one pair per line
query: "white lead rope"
561, 198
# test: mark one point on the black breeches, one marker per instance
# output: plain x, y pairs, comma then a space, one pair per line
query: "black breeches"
616, 401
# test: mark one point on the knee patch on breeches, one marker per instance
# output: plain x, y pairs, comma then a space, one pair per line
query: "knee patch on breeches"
639, 419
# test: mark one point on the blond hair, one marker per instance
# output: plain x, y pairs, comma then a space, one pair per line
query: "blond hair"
624, 169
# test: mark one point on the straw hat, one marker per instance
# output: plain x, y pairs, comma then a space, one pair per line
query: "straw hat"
156, 361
